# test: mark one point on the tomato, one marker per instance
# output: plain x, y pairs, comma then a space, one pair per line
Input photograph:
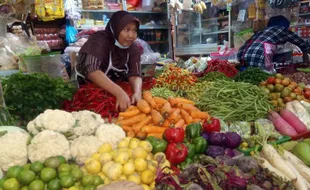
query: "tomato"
297, 91
307, 94
271, 80
278, 81
306, 89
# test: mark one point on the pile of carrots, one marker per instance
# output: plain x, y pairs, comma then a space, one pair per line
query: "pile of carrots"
153, 115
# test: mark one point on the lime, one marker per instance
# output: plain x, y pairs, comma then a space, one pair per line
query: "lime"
74, 188
14, 171
77, 174
26, 176
11, 184
47, 174
36, 166
97, 180
37, 185
52, 162
54, 184
73, 166
1, 188
62, 160
24, 188
26, 167
90, 187
64, 168
67, 181
63, 174
2, 182
88, 180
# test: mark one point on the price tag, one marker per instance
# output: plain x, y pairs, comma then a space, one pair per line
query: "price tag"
241, 15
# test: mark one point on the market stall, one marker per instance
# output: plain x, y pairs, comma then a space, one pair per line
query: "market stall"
205, 120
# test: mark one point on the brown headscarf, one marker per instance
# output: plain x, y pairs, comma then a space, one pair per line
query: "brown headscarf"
101, 43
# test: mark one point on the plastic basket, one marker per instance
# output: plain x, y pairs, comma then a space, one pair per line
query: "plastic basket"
47, 63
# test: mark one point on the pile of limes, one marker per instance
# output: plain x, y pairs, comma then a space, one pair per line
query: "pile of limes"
132, 161
53, 174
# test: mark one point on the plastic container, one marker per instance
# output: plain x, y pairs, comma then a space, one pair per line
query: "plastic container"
248, 151
47, 63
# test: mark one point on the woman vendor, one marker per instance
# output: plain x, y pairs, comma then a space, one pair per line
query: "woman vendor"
254, 52
110, 56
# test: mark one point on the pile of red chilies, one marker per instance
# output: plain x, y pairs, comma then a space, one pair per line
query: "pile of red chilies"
221, 66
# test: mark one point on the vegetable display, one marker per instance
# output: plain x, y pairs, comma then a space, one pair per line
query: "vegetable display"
235, 101
28, 95
252, 75
215, 75
221, 66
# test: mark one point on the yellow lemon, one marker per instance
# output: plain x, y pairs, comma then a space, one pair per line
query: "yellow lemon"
145, 187
147, 176
129, 168
121, 157
146, 146
152, 165
160, 157
106, 167
167, 165
93, 166
105, 157
140, 164
152, 185
107, 181
123, 144
139, 153
115, 171
95, 156
123, 177
134, 143
123, 149
126, 139
149, 156
106, 147
135, 177
84, 170
102, 175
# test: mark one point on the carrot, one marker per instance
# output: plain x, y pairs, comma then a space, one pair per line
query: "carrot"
157, 135
166, 123
147, 95
200, 115
159, 107
165, 110
130, 113
158, 119
153, 129
188, 119
130, 134
131, 108
175, 101
133, 120
187, 107
196, 120
159, 100
180, 123
141, 135
143, 122
144, 106
174, 121
174, 115
127, 128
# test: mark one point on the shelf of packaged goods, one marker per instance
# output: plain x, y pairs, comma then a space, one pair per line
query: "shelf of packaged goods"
112, 11
304, 14
142, 27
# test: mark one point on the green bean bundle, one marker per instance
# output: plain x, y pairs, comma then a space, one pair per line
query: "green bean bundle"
235, 101
252, 75
215, 75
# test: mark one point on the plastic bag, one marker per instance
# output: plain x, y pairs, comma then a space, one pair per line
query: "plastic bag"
265, 126
8, 57
71, 32
148, 56
243, 128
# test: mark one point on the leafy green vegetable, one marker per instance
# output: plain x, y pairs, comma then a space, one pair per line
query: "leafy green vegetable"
6, 119
28, 95
252, 75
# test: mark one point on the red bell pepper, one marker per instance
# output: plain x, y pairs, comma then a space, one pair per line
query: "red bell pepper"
174, 135
176, 153
212, 125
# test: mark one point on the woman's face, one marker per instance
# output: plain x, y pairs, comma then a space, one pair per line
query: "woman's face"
128, 35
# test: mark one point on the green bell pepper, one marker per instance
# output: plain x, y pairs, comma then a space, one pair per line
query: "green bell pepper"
193, 130
200, 145
190, 150
159, 145
185, 163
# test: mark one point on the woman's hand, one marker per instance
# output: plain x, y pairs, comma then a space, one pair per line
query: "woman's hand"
122, 101
135, 97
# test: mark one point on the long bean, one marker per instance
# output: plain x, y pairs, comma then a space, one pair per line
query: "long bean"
235, 101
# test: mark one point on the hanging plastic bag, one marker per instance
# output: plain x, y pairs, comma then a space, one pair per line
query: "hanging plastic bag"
71, 32
269, 50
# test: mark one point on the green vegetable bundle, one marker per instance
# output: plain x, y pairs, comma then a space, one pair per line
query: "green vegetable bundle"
163, 92
28, 95
215, 75
252, 75
6, 118
235, 101
195, 91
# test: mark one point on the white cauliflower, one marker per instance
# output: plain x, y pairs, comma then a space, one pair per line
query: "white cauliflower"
110, 133
46, 144
56, 120
83, 147
13, 148
87, 123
